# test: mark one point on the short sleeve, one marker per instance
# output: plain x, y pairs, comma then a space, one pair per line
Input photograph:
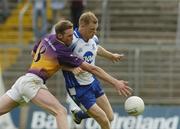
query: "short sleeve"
95, 38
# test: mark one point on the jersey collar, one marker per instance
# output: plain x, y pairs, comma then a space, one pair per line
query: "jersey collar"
77, 33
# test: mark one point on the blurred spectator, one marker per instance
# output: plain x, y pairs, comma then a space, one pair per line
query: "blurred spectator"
76, 7
57, 6
39, 18
5, 8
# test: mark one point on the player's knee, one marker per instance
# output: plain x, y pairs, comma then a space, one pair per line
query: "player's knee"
111, 117
103, 118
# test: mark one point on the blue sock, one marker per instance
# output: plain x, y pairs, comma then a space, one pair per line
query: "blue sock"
82, 115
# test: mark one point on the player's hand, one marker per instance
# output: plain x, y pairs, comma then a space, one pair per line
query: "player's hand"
117, 57
77, 71
123, 88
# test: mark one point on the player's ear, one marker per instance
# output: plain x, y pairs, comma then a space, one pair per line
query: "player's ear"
60, 36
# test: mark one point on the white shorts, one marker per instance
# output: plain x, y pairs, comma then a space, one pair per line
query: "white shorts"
25, 88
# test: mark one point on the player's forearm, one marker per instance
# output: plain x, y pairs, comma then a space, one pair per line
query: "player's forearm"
104, 76
104, 53
99, 73
70, 69
74, 70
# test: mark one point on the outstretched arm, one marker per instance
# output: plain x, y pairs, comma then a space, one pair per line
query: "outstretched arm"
120, 85
114, 57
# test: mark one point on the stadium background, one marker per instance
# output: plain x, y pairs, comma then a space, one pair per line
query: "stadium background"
146, 31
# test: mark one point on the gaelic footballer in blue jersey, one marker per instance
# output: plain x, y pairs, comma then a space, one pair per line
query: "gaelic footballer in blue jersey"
84, 88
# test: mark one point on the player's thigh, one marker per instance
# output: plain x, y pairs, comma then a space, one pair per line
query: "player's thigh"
105, 105
47, 101
6, 104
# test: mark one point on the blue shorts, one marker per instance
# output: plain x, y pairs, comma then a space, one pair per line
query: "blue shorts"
86, 95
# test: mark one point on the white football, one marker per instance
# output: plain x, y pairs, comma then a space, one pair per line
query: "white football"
134, 105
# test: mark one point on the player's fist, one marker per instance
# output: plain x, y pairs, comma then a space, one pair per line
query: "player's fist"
117, 57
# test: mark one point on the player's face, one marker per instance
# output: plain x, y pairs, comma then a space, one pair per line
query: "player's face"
90, 30
67, 37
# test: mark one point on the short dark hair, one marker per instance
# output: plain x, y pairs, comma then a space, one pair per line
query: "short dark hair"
63, 25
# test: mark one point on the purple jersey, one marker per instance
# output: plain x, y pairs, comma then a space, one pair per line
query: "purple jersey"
50, 54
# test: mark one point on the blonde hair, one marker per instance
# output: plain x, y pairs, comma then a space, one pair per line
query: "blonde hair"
87, 18
62, 26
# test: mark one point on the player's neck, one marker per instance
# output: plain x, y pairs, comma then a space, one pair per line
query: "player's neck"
84, 37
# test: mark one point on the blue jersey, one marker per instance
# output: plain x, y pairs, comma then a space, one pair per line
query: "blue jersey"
83, 88
86, 51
